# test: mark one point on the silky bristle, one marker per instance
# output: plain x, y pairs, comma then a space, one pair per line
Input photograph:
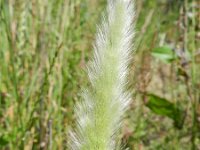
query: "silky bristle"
100, 113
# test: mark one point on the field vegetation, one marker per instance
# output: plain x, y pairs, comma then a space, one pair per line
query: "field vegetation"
45, 46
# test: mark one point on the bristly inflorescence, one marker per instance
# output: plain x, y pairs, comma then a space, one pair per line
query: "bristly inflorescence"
100, 113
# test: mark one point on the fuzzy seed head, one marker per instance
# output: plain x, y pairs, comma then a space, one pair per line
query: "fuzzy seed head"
100, 113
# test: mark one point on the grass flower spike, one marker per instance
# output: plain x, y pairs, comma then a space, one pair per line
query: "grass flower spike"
99, 115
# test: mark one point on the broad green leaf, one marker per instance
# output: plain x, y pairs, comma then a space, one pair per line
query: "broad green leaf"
166, 108
165, 54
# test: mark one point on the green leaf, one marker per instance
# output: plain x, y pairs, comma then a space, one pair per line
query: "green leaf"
3, 141
163, 107
164, 53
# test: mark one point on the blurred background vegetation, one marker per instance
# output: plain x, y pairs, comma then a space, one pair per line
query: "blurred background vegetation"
44, 49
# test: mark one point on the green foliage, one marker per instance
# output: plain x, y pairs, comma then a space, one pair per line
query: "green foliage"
36, 35
165, 54
44, 46
3, 142
164, 107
